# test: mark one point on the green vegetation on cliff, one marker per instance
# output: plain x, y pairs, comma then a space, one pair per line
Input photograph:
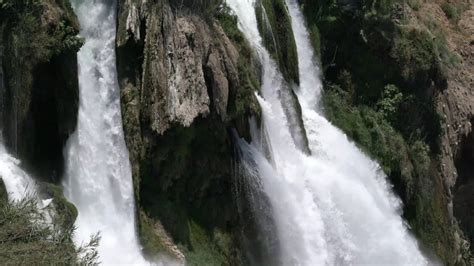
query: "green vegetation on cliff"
383, 67
242, 103
274, 24
26, 21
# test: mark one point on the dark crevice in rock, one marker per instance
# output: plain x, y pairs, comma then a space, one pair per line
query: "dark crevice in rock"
463, 201
53, 115
39, 119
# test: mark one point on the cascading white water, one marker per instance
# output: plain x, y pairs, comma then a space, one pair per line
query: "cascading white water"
335, 206
17, 182
98, 178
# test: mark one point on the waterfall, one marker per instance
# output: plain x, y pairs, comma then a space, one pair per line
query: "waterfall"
17, 182
98, 177
335, 205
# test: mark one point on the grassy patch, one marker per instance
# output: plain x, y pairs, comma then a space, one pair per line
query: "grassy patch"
151, 238
453, 10
414, 50
205, 249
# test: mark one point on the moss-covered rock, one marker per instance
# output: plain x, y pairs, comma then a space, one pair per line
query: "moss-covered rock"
209, 249
274, 24
65, 212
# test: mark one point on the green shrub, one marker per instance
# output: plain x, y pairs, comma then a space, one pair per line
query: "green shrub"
151, 241
451, 12
32, 41
420, 155
446, 57
415, 4
206, 249
374, 134
414, 51
390, 102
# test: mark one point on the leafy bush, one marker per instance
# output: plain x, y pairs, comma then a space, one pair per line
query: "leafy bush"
420, 154
33, 41
368, 128
390, 102
414, 50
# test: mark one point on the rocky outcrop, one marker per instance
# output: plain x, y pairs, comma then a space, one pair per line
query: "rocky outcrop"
456, 105
187, 78
180, 54
274, 24
39, 86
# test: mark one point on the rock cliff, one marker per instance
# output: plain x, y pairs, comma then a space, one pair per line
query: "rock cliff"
187, 79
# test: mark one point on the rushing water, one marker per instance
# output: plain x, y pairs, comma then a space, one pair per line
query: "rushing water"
98, 176
17, 182
331, 207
